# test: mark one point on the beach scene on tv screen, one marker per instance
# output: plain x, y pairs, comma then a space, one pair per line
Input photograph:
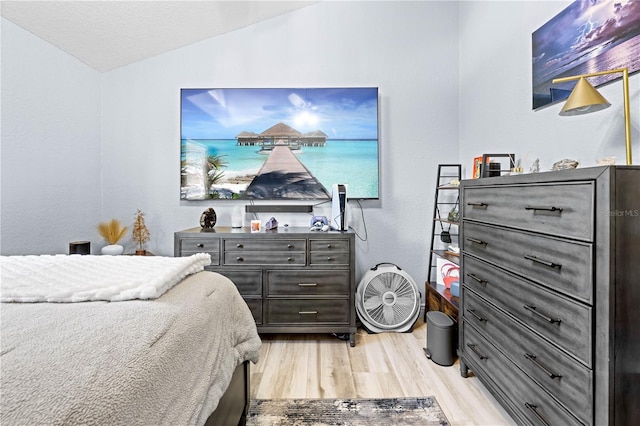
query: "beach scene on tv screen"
278, 143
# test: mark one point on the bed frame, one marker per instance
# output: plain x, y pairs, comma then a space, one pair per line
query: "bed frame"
234, 405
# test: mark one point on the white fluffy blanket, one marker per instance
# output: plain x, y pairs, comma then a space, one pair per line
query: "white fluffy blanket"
76, 278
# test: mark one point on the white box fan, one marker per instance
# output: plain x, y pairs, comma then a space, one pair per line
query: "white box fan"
387, 299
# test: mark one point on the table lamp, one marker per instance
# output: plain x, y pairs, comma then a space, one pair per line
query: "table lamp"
585, 99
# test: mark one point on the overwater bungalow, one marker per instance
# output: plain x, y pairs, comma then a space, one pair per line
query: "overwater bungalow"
282, 134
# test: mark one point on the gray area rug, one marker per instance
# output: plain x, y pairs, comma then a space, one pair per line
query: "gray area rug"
369, 412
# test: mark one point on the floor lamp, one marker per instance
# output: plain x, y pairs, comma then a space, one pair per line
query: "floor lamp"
585, 99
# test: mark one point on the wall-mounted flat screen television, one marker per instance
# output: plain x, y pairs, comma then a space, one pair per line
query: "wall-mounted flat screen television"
278, 143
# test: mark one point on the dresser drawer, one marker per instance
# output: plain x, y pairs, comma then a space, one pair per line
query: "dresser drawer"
524, 395
256, 244
265, 258
570, 381
255, 306
329, 245
248, 282
555, 209
301, 311
215, 256
534, 306
190, 246
199, 245
329, 258
562, 265
308, 283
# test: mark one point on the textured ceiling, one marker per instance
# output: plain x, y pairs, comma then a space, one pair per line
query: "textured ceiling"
110, 34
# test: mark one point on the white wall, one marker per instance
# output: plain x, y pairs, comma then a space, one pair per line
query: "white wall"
495, 94
51, 123
454, 78
407, 50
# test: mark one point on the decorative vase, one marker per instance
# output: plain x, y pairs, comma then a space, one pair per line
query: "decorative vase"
112, 249
236, 217
208, 218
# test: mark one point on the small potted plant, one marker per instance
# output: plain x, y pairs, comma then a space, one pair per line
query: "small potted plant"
112, 232
140, 232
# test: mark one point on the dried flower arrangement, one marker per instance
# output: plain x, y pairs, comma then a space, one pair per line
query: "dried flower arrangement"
112, 231
140, 232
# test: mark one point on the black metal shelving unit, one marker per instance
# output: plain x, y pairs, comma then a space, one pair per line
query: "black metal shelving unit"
446, 197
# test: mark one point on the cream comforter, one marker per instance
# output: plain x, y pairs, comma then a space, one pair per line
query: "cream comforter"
160, 362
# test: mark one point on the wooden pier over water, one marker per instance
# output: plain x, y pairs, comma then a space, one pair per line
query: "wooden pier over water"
283, 176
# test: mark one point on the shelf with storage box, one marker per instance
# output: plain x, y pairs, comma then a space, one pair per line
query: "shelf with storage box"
293, 280
549, 303
439, 298
446, 200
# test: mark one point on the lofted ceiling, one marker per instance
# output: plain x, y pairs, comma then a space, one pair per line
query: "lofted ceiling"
107, 34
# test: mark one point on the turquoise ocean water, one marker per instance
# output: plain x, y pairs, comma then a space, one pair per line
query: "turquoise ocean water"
354, 162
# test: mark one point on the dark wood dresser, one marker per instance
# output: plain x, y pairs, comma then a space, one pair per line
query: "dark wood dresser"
550, 303
294, 280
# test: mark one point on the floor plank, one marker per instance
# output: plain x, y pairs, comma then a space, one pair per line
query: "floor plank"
384, 365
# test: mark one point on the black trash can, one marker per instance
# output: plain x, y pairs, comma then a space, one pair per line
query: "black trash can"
440, 338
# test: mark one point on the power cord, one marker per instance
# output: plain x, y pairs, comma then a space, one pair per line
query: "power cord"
255, 215
364, 224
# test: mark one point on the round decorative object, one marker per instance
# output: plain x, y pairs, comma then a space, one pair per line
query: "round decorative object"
208, 218
112, 250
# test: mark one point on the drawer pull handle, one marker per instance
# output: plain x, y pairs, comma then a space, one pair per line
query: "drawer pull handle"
239, 245
548, 209
328, 246
329, 258
478, 204
475, 241
534, 310
289, 259
534, 410
239, 259
308, 313
476, 278
289, 245
473, 348
200, 245
308, 284
537, 363
478, 317
542, 261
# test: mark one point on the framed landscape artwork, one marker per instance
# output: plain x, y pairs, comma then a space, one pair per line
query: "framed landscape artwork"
587, 36
278, 143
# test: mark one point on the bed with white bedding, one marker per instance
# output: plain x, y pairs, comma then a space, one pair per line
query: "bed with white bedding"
119, 340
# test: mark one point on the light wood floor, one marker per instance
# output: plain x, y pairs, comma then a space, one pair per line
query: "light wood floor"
384, 365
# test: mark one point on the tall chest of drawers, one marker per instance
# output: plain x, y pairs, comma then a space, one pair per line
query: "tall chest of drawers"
550, 302
293, 280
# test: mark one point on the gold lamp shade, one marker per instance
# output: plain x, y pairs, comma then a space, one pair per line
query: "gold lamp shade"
584, 99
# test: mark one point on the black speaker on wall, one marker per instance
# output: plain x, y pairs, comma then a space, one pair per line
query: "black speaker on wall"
80, 247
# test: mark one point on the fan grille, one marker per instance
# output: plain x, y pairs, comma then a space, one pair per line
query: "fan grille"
388, 301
